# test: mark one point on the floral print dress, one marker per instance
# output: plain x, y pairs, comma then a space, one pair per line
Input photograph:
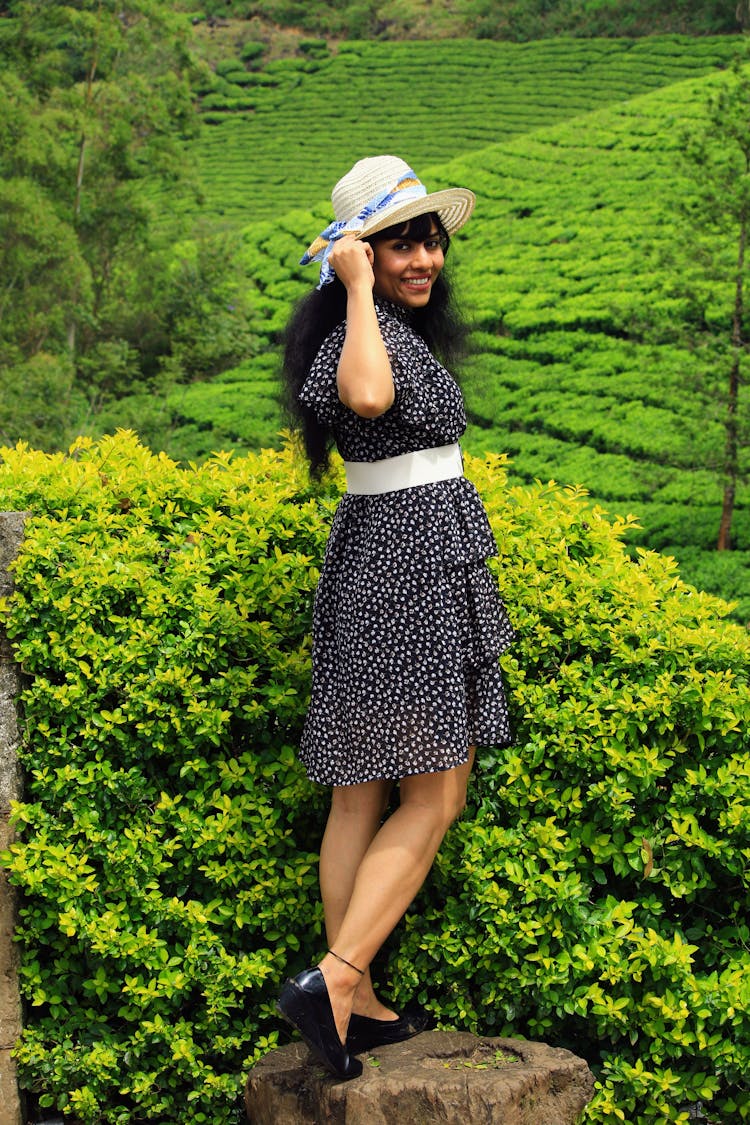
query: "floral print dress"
408, 623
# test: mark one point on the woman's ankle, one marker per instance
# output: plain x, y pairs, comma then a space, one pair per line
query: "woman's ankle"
360, 972
339, 976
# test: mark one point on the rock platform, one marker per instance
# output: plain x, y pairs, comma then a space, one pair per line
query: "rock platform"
451, 1077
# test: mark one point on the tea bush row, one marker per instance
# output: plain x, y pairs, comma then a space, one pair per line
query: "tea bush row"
351, 102
595, 894
617, 190
519, 20
238, 409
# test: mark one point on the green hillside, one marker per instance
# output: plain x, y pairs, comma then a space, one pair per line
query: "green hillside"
280, 141
579, 372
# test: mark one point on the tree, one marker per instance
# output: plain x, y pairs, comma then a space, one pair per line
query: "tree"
96, 104
205, 294
43, 278
43, 274
112, 74
718, 213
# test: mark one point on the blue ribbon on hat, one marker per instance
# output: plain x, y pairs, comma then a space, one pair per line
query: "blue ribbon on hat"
407, 188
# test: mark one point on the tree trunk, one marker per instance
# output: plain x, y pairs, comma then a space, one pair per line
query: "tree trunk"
79, 178
731, 468
72, 327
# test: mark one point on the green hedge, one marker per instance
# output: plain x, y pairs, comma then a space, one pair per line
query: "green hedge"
595, 894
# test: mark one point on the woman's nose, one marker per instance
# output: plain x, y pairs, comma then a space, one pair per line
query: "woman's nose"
422, 256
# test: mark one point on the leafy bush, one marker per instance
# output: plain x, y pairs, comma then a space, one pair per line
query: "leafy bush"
229, 102
166, 689
252, 51
595, 893
225, 67
718, 570
314, 48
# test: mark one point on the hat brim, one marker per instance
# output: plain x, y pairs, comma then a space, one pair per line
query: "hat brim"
454, 207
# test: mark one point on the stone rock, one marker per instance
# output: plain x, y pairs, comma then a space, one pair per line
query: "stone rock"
11, 1110
452, 1077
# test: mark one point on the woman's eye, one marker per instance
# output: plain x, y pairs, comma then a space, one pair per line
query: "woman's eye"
405, 247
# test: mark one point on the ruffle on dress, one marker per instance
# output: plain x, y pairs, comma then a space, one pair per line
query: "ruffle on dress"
408, 628
320, 390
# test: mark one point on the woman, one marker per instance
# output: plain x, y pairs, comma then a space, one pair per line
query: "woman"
408, 624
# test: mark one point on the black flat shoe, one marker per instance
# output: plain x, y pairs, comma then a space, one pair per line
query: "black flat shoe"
365, 1033
304, 1003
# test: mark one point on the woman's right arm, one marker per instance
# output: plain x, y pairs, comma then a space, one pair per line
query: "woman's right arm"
364, 377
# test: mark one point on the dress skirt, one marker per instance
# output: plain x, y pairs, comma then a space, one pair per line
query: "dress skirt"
408, 626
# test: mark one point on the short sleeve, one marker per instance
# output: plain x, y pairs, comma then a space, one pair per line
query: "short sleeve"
407, 355
397, 340
320, 391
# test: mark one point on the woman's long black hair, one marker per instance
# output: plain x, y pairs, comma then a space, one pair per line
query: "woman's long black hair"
439, 324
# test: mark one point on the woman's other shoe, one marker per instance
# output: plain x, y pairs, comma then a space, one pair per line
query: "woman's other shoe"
365, 1033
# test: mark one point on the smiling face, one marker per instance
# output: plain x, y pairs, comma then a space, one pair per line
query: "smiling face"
407, 262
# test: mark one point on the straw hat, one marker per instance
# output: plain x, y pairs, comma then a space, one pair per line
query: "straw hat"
377, 175
380, 192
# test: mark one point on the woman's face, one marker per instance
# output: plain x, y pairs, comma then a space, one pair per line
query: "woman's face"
405, 269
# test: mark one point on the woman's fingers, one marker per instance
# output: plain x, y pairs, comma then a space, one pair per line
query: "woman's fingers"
352, 261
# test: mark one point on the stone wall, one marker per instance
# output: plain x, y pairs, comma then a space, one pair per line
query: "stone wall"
11, 534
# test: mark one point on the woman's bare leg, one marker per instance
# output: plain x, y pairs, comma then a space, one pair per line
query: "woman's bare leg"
389, 876
353, 822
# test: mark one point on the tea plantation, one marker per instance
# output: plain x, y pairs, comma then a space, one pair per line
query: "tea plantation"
277, 138
580, 373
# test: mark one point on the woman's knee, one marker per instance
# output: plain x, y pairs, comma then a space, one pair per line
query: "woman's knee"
455, 805
442, 796
459, 805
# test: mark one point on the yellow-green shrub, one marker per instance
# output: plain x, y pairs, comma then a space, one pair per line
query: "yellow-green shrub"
595, 894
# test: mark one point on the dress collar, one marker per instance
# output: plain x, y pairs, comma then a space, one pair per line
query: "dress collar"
400, 312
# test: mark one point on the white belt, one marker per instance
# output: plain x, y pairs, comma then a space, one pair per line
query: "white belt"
425, 466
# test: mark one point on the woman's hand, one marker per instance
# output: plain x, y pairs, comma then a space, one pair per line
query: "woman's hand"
352, 261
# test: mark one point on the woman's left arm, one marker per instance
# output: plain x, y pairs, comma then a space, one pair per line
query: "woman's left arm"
364, 376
